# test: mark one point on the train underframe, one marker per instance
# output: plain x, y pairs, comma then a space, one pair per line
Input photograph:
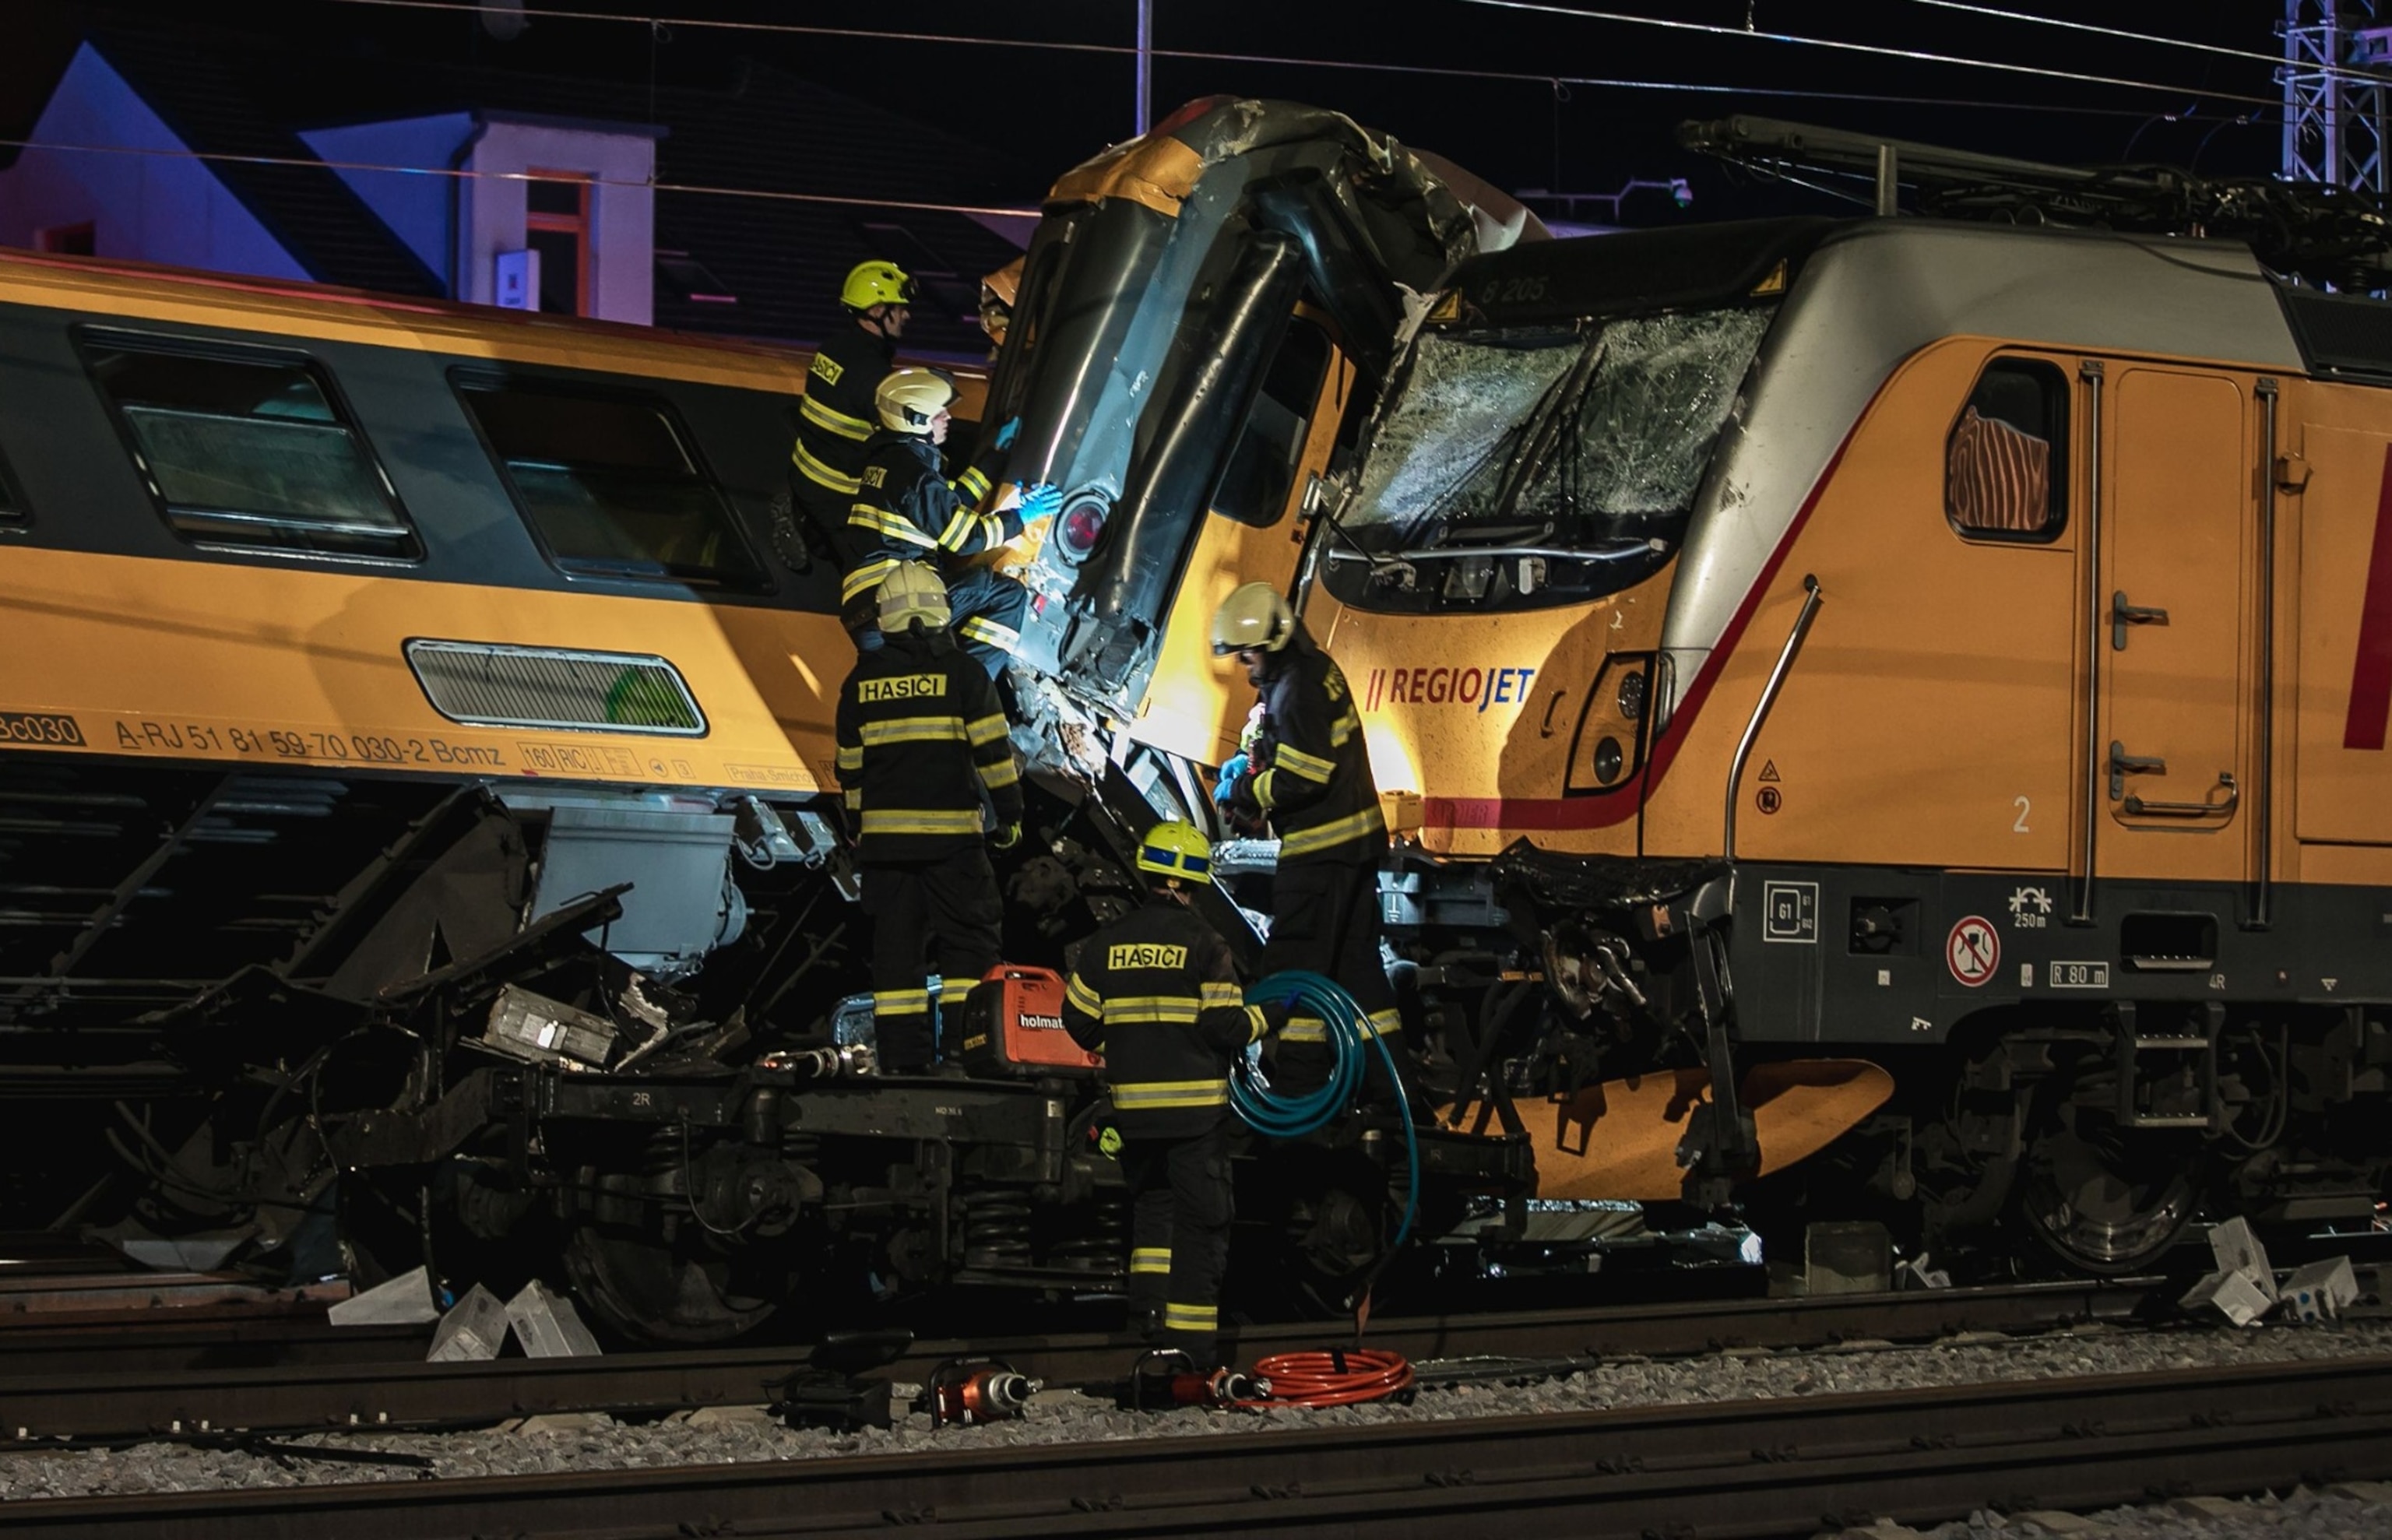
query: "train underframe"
2113, 1084
446, 1038
293, 1022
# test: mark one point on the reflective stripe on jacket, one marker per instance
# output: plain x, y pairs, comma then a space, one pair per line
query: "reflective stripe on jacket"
836, 415
1156, 993
905, 512
1319, 789
925, 754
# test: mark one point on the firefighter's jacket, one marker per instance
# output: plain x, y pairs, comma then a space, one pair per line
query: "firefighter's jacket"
1156, 993
924, 759
1318, 791
836, 415
906, 511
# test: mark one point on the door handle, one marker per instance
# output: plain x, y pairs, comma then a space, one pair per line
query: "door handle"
2140, 809
2123, 765
2123, 615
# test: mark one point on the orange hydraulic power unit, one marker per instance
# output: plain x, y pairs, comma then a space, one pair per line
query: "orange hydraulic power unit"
1013, 1025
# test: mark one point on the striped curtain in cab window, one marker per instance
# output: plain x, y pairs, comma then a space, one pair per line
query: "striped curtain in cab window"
1998, 477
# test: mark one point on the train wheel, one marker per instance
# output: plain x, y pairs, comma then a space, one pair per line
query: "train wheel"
1336, 1230
655, 1292
2104, 1198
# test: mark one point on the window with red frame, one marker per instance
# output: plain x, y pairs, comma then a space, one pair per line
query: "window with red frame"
556, 224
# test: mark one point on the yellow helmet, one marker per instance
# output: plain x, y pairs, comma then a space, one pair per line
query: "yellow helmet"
1258, 616
911, 592
1176, 849
908, 398
871, 283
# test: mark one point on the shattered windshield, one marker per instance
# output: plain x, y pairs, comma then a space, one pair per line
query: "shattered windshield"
1542, 467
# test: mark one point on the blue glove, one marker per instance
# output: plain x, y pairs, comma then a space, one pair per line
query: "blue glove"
1040, 502
1224, 791
1007, 435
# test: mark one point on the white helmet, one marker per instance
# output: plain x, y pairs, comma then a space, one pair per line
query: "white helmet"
913, 592
908, 398
1257, 617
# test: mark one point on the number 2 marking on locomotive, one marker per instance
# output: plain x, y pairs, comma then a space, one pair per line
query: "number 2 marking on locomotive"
2023, 805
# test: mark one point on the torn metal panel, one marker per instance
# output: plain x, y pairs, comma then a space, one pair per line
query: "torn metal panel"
1155, 298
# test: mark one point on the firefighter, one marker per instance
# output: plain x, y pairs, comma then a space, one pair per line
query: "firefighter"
1156, 992
904, 510
927, 770
1310, 775
836, 415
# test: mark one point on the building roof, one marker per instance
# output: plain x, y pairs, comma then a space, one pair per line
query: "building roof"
794, 169
327, 227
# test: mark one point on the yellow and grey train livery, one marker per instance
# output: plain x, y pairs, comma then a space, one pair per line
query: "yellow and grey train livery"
1902, 693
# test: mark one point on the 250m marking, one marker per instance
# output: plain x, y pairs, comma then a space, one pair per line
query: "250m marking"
40, 726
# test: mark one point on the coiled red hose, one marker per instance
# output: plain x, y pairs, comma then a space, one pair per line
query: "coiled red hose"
1332, 1377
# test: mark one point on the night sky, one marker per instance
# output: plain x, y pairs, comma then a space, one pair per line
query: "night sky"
1046, 108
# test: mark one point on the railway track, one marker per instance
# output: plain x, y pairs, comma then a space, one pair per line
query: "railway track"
118, 1403
1750, 1468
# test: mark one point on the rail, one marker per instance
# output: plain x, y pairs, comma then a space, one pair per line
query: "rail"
1754, 1468
183, 1397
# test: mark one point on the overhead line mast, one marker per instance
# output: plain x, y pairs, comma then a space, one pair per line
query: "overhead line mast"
2334, 96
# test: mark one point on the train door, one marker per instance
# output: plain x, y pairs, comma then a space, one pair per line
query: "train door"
2339, 486
2169, 634
1194, 703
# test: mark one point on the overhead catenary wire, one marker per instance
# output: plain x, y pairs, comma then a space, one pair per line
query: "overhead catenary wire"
2153, 39
654, 24
1877, 51
461, 174
1556, 83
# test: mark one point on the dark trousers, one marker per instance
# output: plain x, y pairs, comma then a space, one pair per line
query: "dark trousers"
1325, 919
985, 609
948, 912
988, 610
1181, 1205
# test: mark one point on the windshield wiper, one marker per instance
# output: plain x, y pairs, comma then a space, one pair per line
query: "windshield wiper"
1555, 419
1611, 550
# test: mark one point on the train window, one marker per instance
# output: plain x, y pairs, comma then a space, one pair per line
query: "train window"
1262, 468
249, 451
610, 482
2006, 463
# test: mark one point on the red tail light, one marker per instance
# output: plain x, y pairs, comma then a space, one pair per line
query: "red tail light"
1078, 528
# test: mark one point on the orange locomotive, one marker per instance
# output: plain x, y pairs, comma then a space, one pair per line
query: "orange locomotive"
1884, 718
1955, 652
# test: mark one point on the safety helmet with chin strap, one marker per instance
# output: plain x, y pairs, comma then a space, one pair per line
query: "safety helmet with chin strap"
909, 398
1255, 616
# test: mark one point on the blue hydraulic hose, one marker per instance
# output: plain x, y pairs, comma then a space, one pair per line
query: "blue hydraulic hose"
1351, 1040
